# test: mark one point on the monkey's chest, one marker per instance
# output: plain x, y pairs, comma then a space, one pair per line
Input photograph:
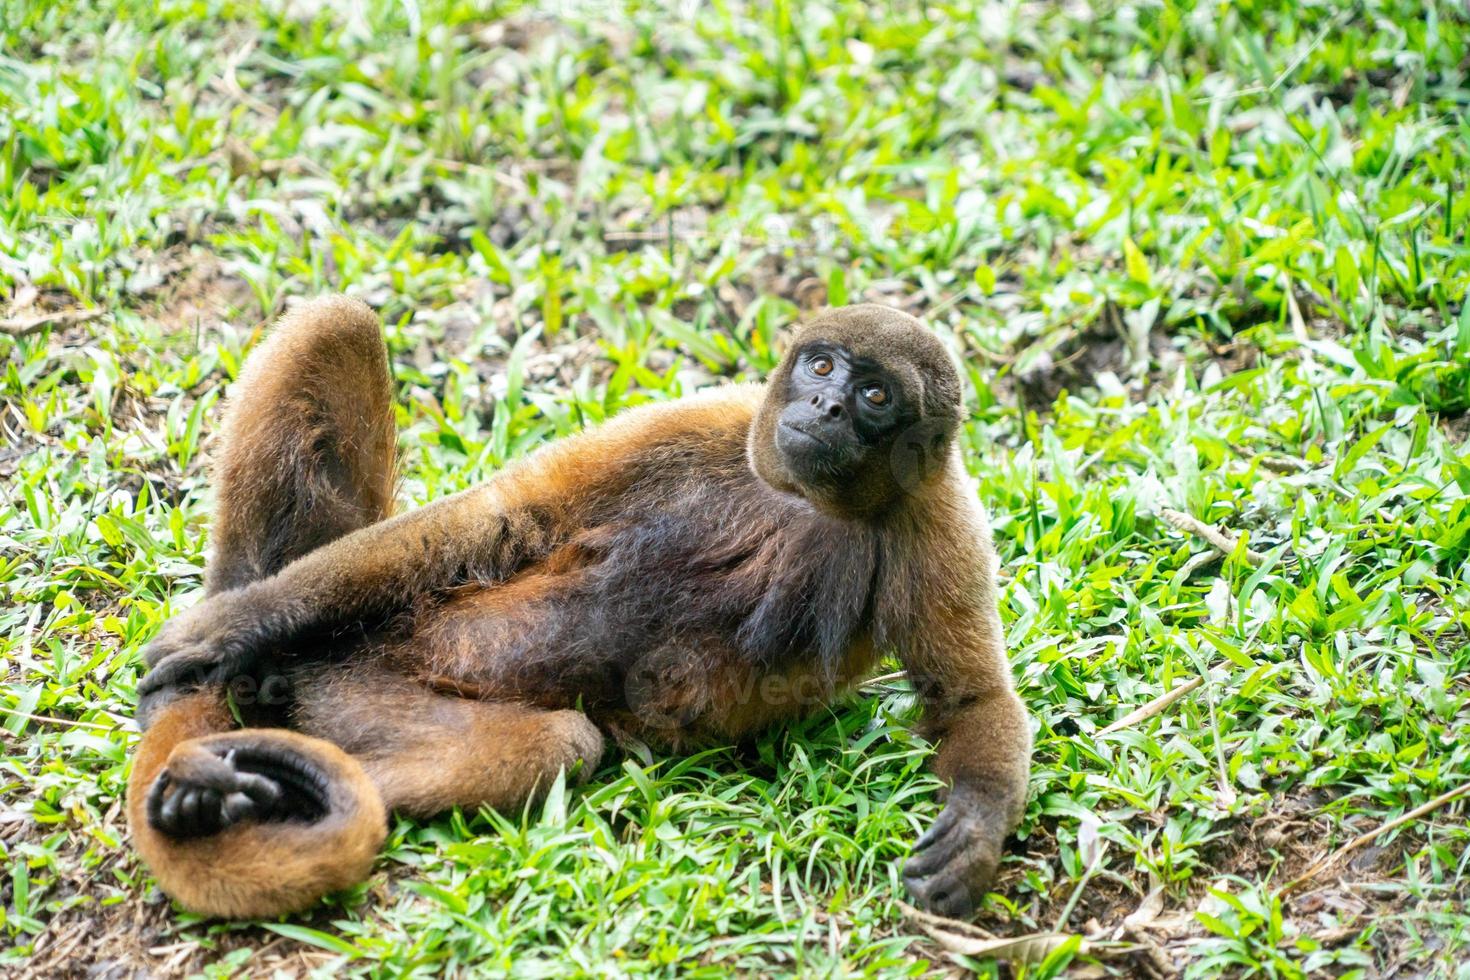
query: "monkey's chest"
685, 695
672, 650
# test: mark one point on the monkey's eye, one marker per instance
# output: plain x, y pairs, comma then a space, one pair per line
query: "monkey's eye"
876, 394
821, 365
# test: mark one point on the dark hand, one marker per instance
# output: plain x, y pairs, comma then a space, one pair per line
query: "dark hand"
222, 637
954, 862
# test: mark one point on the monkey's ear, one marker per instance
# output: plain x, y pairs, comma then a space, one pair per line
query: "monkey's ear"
786, 337
811, 295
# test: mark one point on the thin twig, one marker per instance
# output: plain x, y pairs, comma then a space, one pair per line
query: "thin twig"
955, 926
1299, 328
46, 719
506, 180
1285, 464
947, 302
668, 236
990, 355
656, 235
1196, 562
1222, 542
1154, 707
872, 683
1362, 839
229, 84
24, 326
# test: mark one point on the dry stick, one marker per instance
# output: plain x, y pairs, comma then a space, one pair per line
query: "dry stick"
33, 324
1359, 841
664, 236
1219, 540
1154, 707
1277, 462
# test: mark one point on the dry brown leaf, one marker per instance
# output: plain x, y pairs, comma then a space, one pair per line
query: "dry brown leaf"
1148, 910
971, 940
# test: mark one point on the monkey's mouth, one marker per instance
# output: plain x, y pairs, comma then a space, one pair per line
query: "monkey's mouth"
812, 459
804, 438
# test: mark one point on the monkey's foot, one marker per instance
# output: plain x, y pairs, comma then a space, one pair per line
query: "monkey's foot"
207, 788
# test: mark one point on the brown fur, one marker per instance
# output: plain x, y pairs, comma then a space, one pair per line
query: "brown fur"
427, 751
668, 574
315, 394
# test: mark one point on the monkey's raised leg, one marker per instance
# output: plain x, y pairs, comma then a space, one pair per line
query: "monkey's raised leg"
263, 821
307, 458
308, 443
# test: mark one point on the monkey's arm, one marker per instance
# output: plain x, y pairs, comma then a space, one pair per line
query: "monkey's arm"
958, 666
484, 534
481, 534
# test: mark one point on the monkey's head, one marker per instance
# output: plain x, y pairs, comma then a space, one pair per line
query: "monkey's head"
862, 410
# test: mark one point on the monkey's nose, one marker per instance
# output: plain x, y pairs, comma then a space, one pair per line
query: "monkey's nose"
834, 409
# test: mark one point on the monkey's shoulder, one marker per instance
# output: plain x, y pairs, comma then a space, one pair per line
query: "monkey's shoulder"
714, 422
671, 437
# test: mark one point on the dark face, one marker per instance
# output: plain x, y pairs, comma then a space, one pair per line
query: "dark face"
860, 413
841, 410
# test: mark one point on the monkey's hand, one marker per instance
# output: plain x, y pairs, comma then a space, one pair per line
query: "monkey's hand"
221, 638
954, 862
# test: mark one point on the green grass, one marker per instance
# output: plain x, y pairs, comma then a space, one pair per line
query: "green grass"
1203, 257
